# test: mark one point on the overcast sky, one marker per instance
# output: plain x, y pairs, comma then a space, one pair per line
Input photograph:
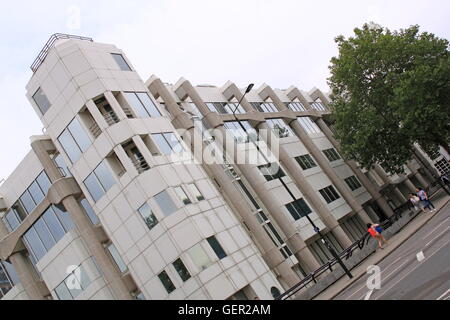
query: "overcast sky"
278, 42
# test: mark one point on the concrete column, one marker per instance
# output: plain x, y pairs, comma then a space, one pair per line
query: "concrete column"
368, 185
399, 194
423, 182
25, 272
412, 188
84, 226
115, 106
270, 253
97, 115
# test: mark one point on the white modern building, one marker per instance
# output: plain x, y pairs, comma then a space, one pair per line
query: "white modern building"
105, 207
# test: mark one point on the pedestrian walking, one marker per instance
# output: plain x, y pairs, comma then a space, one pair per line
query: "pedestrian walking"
415, 201
427, 204
375, 231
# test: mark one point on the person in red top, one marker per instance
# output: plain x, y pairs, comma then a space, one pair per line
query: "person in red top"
372, 229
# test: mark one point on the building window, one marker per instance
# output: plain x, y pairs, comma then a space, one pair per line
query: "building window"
308, 125
306, 162
331, 154
182, 195
273, 234
148, 216
77, 281
280, 128
168, 143
443, 166
166, 281
74, 140
182, 270
353, 183
199, 257
165, 203
197, 194
354, 227
239, 134
142, 104
215, 245
225, 107
298, 209
47, 231
319, 106
329, 194
296, 106
123, 65
264, 106
89, 212
117, 258
99, 181
41, 100
272, 171
62, 166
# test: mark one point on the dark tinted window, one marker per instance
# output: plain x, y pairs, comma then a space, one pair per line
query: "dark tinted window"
215, 245
123, 65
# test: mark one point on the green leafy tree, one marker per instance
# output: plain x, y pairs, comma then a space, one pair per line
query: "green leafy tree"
389, 91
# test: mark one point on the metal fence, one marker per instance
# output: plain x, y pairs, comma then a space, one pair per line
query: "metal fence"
432, 189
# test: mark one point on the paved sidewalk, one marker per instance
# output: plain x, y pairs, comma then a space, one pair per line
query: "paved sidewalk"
440, 201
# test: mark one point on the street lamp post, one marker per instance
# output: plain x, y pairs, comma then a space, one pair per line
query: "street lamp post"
316, 229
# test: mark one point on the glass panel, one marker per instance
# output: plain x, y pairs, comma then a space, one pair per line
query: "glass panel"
148, 104
73, 285
215, 245
182, 195
117, 258
79, 134
11, 272
148, 216
53, 224
69, 145
95, 189
104, 176
136, 104
163, 145
62, 292
90, 212
181, 269
199, 257
41, 100
165, 202
123, 65
64, 217
60, 163
44, 234
167, 283
5, 284
44, 182
197, 194
36, 192
27, 202
12, 220
35, 244
173, 142
83, 277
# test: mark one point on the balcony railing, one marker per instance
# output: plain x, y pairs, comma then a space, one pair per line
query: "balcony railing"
44, 52
140, 164
95, 130
111, 118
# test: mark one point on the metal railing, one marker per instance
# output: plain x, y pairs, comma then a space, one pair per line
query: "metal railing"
140, 164
44, 52
95, 129
357, 245
110, 118
128, 112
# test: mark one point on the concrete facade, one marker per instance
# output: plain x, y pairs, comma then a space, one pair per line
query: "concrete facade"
105, 205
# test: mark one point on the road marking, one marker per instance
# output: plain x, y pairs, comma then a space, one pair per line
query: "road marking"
420, 256
367, 297
438, 226
383, 278
386, 290
441, 297
439, 234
